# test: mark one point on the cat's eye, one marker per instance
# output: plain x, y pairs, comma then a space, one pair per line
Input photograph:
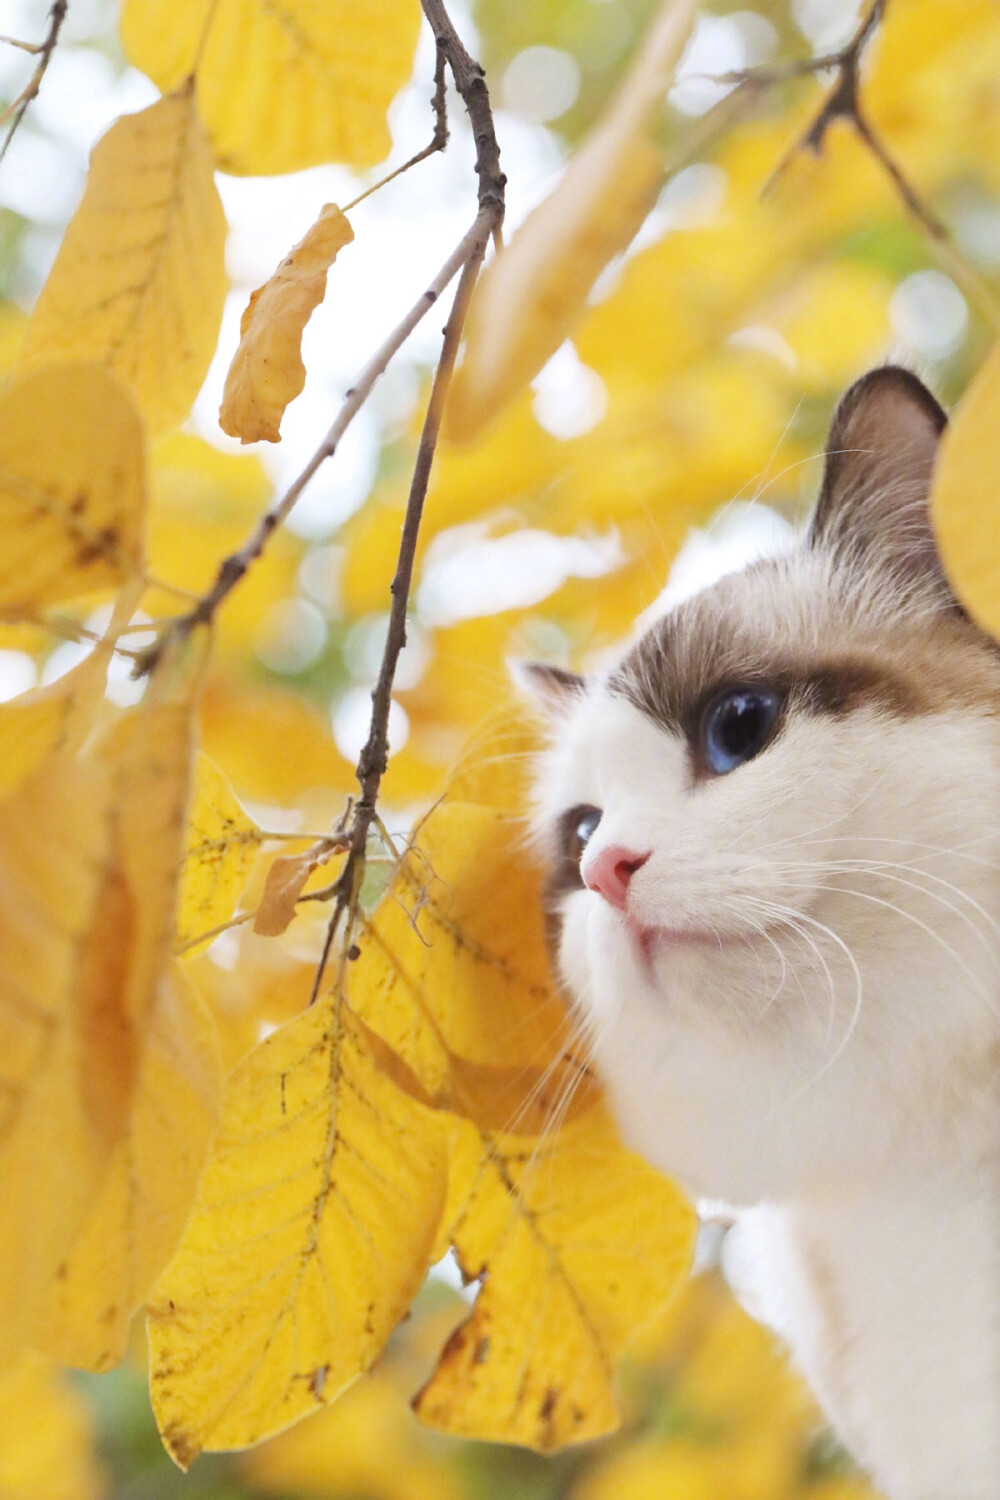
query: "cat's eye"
579, 826
736, 726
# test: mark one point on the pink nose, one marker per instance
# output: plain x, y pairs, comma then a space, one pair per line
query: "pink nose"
610, 870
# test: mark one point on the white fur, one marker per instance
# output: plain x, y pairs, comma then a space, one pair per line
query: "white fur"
843, 1096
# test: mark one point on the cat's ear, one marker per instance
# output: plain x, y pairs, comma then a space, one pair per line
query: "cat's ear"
551, 690
875, 499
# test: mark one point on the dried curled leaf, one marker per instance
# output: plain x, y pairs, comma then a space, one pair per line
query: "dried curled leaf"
139, 282
221, 844
72, 487
964, 504
310, 1234
286, 880
267, 370
284, 885
579, 1244
281, 87
532, 294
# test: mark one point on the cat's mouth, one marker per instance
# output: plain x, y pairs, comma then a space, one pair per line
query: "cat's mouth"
652, 941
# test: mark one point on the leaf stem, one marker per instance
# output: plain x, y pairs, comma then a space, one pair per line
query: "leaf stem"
439, 140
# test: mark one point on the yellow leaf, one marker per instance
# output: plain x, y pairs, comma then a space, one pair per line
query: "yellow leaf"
147, 1188
532, 295
59, 716
579, 1243
267, 370
309, 1237
221, 844
54, 850
284, 885
964, 503
281, 88
89, 855
46, 1441
454, 960
31, 727
139, 282
148, 753
72, 487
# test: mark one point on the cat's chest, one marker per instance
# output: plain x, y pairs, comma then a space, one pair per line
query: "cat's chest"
888, 1303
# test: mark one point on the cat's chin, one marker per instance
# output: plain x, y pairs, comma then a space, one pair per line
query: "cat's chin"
654, 943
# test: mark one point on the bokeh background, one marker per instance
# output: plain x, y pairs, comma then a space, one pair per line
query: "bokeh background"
702, 373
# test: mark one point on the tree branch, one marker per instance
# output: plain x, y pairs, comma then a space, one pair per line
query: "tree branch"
16, 110
471, 84
235, 566
843, 102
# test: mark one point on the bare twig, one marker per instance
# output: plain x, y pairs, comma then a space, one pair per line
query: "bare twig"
843, 102
471, 84
17, 109
234, 567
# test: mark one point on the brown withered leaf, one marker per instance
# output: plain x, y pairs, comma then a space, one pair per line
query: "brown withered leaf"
267, 370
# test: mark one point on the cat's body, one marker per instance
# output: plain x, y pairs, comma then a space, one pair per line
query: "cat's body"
774, 831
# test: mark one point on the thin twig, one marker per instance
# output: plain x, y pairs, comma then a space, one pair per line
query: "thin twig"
234, 567
375, 753
16, 110
843, 102
471, 84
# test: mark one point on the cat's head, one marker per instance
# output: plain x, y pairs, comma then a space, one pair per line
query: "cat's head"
771, 829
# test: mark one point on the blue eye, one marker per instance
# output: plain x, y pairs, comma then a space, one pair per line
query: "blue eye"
579, 827
736, 726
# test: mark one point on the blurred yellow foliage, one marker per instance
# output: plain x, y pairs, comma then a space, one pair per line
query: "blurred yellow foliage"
434, 1098
46, 1438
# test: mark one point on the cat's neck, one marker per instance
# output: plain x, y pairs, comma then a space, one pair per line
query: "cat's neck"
885, 1290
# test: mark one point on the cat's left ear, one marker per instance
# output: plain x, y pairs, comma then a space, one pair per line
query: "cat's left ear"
551, 690
875, 499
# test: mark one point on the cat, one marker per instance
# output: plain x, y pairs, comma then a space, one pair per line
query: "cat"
772, 830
